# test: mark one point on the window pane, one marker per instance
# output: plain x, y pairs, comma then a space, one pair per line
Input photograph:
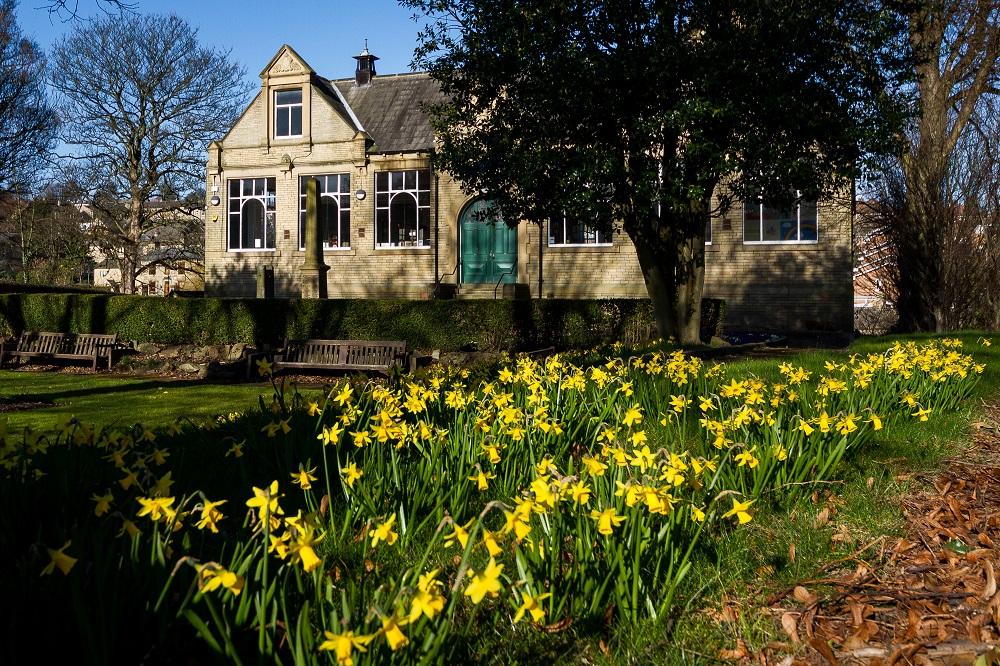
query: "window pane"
234, 188
345, 183
289, 96
234, 231
808, 221
708, 230
253, 224
424, 179
345, 228
397, 180
296, 121
410, 178
382, 200
328, 221
425, 198
382, 181
557, 234
774, 223
281, 122
403, 220
269, 231
382, 226
248, 187
751, 222
424, 227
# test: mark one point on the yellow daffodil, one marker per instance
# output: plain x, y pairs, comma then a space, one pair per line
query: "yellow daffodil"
212, 576
482, 479
58, 559
532, 606
330, 435
351, 474
210, 515
157, 508
102, 503
459, 535
485, 583
383, 532
607, 520
265, 500
594, 466
304, 478
739, 510
633, 416
343, 645
392, 630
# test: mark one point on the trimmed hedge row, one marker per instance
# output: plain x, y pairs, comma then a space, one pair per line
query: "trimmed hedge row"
7, 287
449, 325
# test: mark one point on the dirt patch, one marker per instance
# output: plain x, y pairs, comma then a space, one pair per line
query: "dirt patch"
931, 597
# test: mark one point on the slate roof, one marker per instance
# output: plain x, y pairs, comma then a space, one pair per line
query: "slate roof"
390, 109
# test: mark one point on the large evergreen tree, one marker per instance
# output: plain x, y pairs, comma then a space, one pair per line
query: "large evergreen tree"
636, 111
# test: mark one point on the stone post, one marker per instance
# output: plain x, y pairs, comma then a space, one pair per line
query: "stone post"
313, 271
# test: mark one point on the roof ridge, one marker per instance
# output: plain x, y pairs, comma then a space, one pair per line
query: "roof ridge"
382, 76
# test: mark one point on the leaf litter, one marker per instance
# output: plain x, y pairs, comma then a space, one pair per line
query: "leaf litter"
930, 597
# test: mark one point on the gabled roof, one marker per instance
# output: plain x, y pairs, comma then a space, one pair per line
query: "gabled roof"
390, 109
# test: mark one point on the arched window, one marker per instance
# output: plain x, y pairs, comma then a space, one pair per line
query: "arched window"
402, 208
251, 214
334, 210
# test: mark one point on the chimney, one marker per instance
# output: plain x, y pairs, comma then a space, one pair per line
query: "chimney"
365, 71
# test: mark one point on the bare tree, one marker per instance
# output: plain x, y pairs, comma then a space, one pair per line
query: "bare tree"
27, 121
141, 100
936, 202
46, 235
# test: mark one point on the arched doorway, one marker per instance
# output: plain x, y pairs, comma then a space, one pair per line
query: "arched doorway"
489, 246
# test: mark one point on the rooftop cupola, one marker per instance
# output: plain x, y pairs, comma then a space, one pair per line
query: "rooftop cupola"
365, 71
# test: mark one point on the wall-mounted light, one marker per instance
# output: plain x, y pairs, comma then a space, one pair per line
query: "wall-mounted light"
360, 194
215, 200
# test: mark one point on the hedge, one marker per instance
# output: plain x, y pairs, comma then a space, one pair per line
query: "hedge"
448, 325
7, 287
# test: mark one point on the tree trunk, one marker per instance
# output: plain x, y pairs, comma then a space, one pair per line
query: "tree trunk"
671, 254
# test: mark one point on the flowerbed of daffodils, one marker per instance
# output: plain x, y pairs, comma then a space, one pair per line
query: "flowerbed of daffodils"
380, 522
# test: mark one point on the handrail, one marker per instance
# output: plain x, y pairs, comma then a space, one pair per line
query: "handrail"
453, 271
509, 271
437, 285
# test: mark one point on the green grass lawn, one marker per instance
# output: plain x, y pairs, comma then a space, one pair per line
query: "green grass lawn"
114, 401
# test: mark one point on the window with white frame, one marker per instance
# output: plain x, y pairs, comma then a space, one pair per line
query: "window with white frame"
403, 208
251, 214
569, 232
288, 113
334, 210
763, 223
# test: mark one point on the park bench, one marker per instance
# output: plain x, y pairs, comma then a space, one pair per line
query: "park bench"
361, 355
44, 346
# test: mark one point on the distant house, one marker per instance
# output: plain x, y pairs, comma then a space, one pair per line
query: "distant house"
394, 227
171, 260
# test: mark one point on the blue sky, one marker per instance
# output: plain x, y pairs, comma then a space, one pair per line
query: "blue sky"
325, 33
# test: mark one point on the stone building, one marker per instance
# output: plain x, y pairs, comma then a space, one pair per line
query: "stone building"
392, 227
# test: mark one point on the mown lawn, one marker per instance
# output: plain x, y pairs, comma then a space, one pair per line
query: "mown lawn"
116, 401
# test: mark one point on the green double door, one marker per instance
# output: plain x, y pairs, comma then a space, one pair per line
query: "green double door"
489, 247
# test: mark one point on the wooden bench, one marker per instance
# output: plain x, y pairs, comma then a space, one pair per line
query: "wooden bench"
362, 355
44, 346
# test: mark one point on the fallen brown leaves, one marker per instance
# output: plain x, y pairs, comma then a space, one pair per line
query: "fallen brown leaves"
928, 598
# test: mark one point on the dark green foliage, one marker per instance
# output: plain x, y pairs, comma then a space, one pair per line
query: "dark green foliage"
19, 288
485, 325
631, 114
